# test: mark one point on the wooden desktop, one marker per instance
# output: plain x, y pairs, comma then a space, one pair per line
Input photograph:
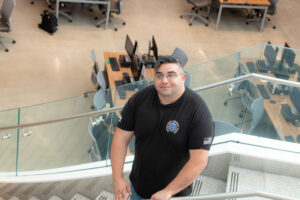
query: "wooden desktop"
283, 127
118, 75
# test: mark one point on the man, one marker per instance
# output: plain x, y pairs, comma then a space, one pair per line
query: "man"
174, 131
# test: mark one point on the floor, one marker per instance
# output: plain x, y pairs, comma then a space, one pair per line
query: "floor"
42, 68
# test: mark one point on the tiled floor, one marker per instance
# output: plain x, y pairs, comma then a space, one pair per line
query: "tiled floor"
41, 68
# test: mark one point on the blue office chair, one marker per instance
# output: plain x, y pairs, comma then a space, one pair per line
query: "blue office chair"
298, 139
223, 128
100, 100
236, 88
180, 55
289, 138
188, 79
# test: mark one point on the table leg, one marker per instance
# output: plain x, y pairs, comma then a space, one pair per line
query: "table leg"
107, 15
57, 9
263, 19
219, 17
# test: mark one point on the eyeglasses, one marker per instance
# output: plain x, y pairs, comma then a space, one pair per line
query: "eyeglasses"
172, 76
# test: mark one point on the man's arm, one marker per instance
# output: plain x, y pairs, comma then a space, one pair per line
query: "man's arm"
118, 153
190, 171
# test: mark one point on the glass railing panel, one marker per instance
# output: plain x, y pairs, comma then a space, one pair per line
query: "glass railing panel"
274, 61
213, 71
9, 149
65, 143
57, 109
225, 105
8, 140
274, 113
123, 92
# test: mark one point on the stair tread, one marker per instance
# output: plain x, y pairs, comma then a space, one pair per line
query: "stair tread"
105, 195
78, 196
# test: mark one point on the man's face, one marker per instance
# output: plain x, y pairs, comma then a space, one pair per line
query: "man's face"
169, 80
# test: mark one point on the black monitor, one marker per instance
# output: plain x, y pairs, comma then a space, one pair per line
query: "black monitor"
295, 98
136, 68
129, 47
270, 54
288, 56
153, 48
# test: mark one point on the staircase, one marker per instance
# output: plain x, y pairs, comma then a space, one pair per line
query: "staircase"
235, 180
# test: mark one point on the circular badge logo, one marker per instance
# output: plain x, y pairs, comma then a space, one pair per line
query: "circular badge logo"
172, 126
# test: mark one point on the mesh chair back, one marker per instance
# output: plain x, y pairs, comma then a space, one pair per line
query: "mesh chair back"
180, 55
7, 10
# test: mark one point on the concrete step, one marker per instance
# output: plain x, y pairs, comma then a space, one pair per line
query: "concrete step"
78, 196
14, 198
55, 198
105, 195
241, 180
33, 198
208, 185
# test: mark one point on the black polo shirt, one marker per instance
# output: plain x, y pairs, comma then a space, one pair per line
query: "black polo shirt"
164, 136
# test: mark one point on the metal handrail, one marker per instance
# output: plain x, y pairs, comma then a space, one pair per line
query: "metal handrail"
115, 109
233, 195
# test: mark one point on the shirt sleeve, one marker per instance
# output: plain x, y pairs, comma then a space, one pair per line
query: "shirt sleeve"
202, 131
127, 117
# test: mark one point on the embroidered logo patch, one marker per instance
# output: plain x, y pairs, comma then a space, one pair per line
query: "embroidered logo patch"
172, 126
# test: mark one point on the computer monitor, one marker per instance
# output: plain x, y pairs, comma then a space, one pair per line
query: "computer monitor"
136, 68
153, 48
295, 98
288, 56
129, 47
270, 55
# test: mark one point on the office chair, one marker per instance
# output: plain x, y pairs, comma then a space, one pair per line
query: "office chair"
235, 88
180, 55
298, 139
116, 6
222, 128
289, 138
99, 78
195, 13
100, 100
258, 14
102, 140
188, 79
5, 25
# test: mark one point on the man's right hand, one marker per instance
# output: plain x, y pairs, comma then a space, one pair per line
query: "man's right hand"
121, 187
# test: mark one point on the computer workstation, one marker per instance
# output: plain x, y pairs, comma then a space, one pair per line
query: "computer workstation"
132, 67
283, 68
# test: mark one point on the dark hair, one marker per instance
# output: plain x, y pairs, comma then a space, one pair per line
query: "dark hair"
167, 59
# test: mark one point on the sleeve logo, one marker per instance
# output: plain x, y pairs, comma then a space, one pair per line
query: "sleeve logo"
172, 126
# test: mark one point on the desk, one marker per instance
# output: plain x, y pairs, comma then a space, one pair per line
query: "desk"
118, 75
251, 4
283, 127
85, 1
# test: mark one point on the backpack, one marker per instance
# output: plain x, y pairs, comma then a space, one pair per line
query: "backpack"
49, 22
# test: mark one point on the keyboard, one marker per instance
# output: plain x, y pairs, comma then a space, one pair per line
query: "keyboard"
114, 64
119, 82
287, 113
263, 91
251, 67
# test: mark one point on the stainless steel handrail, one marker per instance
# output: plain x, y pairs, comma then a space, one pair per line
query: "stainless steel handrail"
233, 195
115, 109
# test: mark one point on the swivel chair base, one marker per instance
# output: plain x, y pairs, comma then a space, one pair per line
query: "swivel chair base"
196, 14
111, 20
6, 38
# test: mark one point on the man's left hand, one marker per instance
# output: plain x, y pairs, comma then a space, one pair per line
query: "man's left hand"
161, 195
